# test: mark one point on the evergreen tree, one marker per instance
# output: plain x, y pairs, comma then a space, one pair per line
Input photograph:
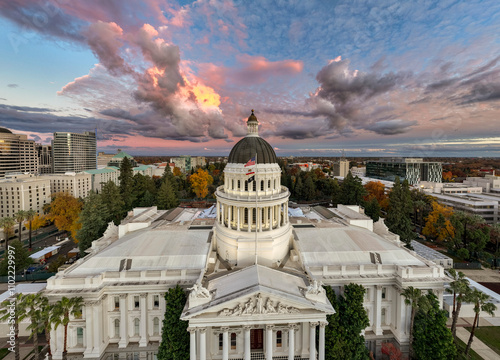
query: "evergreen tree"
298, 188
471, 235
431, 337
309, 190
148, 199
352, 191
400, 211
372, 209
22, 258
342, 334
93, 220
127, 183
335, 189
111, 197
175, 337
167, 198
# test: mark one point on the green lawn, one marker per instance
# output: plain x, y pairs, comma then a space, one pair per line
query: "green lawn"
461, 352
490, 335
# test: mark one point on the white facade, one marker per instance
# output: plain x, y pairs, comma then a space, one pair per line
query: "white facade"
102, 176
78, 185
23, 192
73, 152
253, 272
17, 153
489, 183
358, 171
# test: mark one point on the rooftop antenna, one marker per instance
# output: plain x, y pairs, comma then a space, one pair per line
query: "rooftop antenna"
342, 156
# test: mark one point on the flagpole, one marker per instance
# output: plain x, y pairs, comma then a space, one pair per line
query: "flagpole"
256, 216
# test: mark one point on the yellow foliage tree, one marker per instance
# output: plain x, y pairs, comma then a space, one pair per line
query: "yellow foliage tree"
177, 171
37, 222
438, 224
200, 182
64, 212
376, 189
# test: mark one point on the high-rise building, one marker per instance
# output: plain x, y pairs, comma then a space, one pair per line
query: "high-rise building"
341, 168
44, 158
78, 185
412, 169
73, 152
17, 153
23, 192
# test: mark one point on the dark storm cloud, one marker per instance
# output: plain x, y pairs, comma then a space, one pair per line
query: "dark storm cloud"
482, 93
35, 137
24, 108
391, 127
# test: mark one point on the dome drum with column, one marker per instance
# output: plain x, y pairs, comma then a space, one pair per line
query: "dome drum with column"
252, 216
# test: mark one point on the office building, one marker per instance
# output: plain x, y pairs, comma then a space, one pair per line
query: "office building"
412, 169
72, 152
117, 159
252, 266
78, 185
17, 153
489, 183
340, 168
183, 162
99, 177
23, 192
44, 158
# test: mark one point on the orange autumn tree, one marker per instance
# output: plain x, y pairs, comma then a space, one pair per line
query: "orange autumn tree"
447, 176
38, 222
438, 224
177, 171
200, 182
64, 212
376, 190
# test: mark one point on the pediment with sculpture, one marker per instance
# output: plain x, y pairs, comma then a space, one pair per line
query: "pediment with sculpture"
258, 305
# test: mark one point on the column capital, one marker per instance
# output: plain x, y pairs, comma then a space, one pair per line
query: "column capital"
293, 326
323, 324
192, 330
202, 330
379, 287
123, 296
247, 327
313, 323
144, 295
225, 329
269, 327
104, 297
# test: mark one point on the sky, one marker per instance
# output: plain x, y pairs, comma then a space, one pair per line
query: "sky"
374, 78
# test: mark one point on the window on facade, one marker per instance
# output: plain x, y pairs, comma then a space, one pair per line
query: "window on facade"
254, 185
278, 339
79, 336
117, 302
221, 341
136, 302
239, 184
156, 301
269, 184
262, 185
246, 185
156, 326
117, 328
382, 317
136, 326
233, 341
383, 292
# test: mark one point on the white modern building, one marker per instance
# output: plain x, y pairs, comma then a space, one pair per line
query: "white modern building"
17, 153
358, 171
102, 176
73, 152
78, 185
252, 266
484, 205
489, 183
23, 192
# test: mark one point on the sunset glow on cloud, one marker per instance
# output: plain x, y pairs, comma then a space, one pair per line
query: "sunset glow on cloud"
168, 77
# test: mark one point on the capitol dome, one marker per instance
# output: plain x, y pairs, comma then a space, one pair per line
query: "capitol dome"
252, 145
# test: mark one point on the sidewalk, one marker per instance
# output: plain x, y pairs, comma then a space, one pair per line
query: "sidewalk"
477, 345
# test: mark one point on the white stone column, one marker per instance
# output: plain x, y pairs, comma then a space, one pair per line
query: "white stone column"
272, 218
279, 215
192, 343
269, 342
312, 340
218, 211
229, 214
250, 218
144, 321
203, 344
98, 323
247, 343
89, 329
321, 350
261, 218
286, 214
238, 212
378, 310
225, 343
123, 322
291, 341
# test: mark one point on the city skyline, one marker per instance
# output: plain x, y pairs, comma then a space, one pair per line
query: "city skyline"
376, 79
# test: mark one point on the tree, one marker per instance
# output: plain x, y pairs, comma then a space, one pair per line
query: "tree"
175, 337
30, 307
127, 183
148, 199
20, 216
309, 190
342, 334
412, 297
110, 195
400, 209
30, 215
391, 350
200, 181
471, 235
352, 191
431, 337
419, 206
166, 196
93, 221
177, 171
298, 189
438, 225
64, 212
7, 224
459, 287
481, 303
38, 222
372, 209
10, 312
60, 316
45, 320
21, 259
375, 189
336, 192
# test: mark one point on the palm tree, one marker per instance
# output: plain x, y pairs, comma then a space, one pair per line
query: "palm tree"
20, 216
30, 307
30, 215
8, 229
412, 297
459, 287
45, 320
481, 303
60, 316
10, 307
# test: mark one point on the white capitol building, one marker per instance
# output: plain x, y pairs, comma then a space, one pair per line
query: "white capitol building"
253, 270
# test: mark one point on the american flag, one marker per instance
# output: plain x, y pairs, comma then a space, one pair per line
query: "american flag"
250, 162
